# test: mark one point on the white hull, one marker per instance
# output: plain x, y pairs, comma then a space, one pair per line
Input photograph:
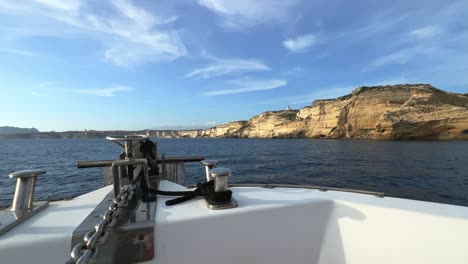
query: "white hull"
280, 225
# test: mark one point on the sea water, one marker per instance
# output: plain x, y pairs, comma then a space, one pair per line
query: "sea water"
434, 171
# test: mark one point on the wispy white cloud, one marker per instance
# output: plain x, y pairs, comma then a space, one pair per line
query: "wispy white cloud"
53, 88
45, 85
224, 66
246, 13
429, 39
381, 23
333, 91
45, 88
250, 85
20, 52
308, 98
36, 94
69, 5
105, 92
425, 32
404, 56
399, 57
294, 71
301, 43
132, 34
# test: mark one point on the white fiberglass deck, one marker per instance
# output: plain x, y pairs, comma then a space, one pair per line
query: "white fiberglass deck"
280, 225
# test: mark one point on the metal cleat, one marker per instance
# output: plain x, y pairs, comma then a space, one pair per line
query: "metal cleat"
209, 165
23, 206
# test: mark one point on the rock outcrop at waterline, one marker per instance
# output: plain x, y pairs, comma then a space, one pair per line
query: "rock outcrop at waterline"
392, 112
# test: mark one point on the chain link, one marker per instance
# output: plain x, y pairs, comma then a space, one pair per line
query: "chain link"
83, 252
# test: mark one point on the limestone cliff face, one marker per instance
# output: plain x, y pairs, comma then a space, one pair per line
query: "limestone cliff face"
176, 133
417, 111
225, 130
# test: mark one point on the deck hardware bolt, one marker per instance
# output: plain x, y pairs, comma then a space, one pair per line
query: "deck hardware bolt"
25, 185
209, 165
220, 176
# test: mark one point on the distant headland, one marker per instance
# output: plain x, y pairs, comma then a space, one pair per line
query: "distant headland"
391, 112
6, 130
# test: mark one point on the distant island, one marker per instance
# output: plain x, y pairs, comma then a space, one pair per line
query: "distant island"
5, 130
391, 112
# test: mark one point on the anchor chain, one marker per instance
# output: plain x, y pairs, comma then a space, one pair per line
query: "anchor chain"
84, 251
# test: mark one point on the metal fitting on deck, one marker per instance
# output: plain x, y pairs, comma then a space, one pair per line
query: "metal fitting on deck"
117, 172
23, 206
25, 185
209, 165
220, 176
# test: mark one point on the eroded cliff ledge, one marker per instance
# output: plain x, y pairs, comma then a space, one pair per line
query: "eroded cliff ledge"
392, 112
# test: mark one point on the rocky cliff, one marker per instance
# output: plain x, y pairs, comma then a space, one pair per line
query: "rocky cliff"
392, 112
175, 133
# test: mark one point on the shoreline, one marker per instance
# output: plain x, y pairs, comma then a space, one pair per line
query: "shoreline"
15, 137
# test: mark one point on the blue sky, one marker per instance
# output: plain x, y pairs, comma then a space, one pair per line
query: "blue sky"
82, 64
